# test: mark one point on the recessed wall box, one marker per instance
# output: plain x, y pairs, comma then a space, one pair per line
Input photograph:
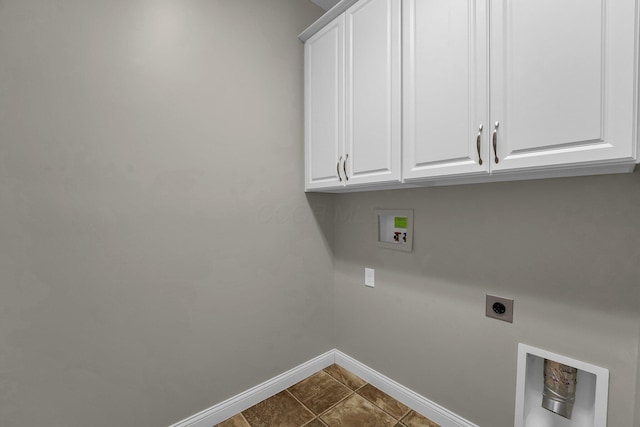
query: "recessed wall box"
394, 229
591, 390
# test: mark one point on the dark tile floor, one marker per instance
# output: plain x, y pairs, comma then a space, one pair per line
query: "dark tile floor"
333, 397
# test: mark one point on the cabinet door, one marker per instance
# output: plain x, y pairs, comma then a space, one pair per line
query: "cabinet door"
562, 85
373, 122
445, 88
324, 107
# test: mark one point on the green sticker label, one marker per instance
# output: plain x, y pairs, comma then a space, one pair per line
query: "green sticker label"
400, 222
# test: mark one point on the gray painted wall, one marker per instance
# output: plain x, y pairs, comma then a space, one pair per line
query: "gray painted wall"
158, 255
637, 424
157, 252
566, 249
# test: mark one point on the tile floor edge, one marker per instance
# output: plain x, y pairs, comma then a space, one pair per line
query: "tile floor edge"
236, 404
404, 395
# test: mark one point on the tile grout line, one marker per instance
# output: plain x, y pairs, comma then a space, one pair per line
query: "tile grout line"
404, 415
398, 420
352, 392
337, 403
302, 404
342, 382
245, 420
317, 419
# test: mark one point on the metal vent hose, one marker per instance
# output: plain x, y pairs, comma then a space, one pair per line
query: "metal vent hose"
559, 392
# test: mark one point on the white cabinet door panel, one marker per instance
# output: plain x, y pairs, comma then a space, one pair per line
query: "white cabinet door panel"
373, 92
444, 88
553, 64
324, 106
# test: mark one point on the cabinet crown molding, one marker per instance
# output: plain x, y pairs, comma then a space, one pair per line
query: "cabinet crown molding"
331, 14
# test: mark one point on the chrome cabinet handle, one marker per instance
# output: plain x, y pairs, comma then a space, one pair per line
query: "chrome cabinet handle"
495, 141
478, 143
338, 168
344, 167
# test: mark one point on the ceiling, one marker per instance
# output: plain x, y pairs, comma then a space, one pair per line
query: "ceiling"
326, 4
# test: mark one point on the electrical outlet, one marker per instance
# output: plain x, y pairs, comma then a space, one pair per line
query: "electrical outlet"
499, 308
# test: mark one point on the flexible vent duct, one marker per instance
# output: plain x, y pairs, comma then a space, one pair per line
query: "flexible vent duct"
559, 392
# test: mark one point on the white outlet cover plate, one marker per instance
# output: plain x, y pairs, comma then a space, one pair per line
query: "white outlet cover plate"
369, 277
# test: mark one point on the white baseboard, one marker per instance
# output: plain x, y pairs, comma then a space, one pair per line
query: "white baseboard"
230, 407
413, 400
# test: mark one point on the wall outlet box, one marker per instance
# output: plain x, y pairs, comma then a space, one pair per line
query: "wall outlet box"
394, 229
369, 277
499, 308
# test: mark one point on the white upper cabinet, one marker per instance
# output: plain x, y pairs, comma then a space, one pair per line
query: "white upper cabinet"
353, 100
552, 90
445, 88
373, 85
324, 106
563, 82
432, 92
